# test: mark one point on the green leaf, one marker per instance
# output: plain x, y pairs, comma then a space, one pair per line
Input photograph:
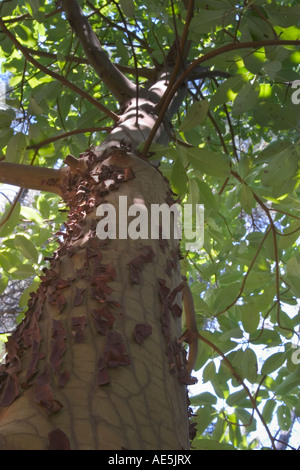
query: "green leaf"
195, 115
205, 21
5, 262
13, 220
246, 98
272, 115
227, 91
26, 247
6, 117
246, 418
203, 398
25, 271
284, 16
294, 284
16, 148
3, 338
250, 316
268, 410
273, 363
219, 429
209, 444
43, 206
31, 214
206, 196
289, 383
205, 415
237, 398
26, 293
33, 7
209, 372
128, 7
3, 282
284, 417
225, 296
249, 365
246, 198
211, 163
178, 177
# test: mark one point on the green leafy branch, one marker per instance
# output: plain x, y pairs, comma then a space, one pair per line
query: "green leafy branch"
55, 75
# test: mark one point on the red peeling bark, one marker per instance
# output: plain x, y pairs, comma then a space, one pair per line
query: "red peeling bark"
97, 362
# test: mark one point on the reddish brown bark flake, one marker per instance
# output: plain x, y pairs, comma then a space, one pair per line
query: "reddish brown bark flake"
175, 291
163, 290
176, 310
58, 345
128, 174
171, 358
114, 355
186, 378
44, 395
142, 331
61, 302
9, 389
103, 376
115, 352
78, 324
165, 322
104, 319
58, 440
64, 378
136, 265
79, 293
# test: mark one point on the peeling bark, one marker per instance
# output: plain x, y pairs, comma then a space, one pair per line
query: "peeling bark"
97, 363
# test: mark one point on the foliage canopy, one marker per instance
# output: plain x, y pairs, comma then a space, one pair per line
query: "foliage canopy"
235, 149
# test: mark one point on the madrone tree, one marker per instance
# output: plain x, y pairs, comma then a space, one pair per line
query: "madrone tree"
159, 102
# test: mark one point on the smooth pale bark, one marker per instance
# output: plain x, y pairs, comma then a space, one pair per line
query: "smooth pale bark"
32, 177
97, 363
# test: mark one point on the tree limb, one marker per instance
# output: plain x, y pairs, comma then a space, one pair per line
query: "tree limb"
121, 87
33, 177
145, 72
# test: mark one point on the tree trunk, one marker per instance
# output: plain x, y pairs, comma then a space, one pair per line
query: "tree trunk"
97, 363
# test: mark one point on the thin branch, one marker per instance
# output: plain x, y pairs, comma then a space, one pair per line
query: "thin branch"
27, 16
134, 58
168, 96
121, 87
181, 54
114, 25
275, 246
55, 75
13, 205
247, 274
64, 135
141, 71
242, 383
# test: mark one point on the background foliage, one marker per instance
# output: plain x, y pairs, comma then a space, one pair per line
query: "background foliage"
234, 148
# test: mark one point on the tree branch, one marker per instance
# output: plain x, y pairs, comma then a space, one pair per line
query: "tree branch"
167, 97
65, 135
114, 25
121, 87
145, 72
55, 75
33, 177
